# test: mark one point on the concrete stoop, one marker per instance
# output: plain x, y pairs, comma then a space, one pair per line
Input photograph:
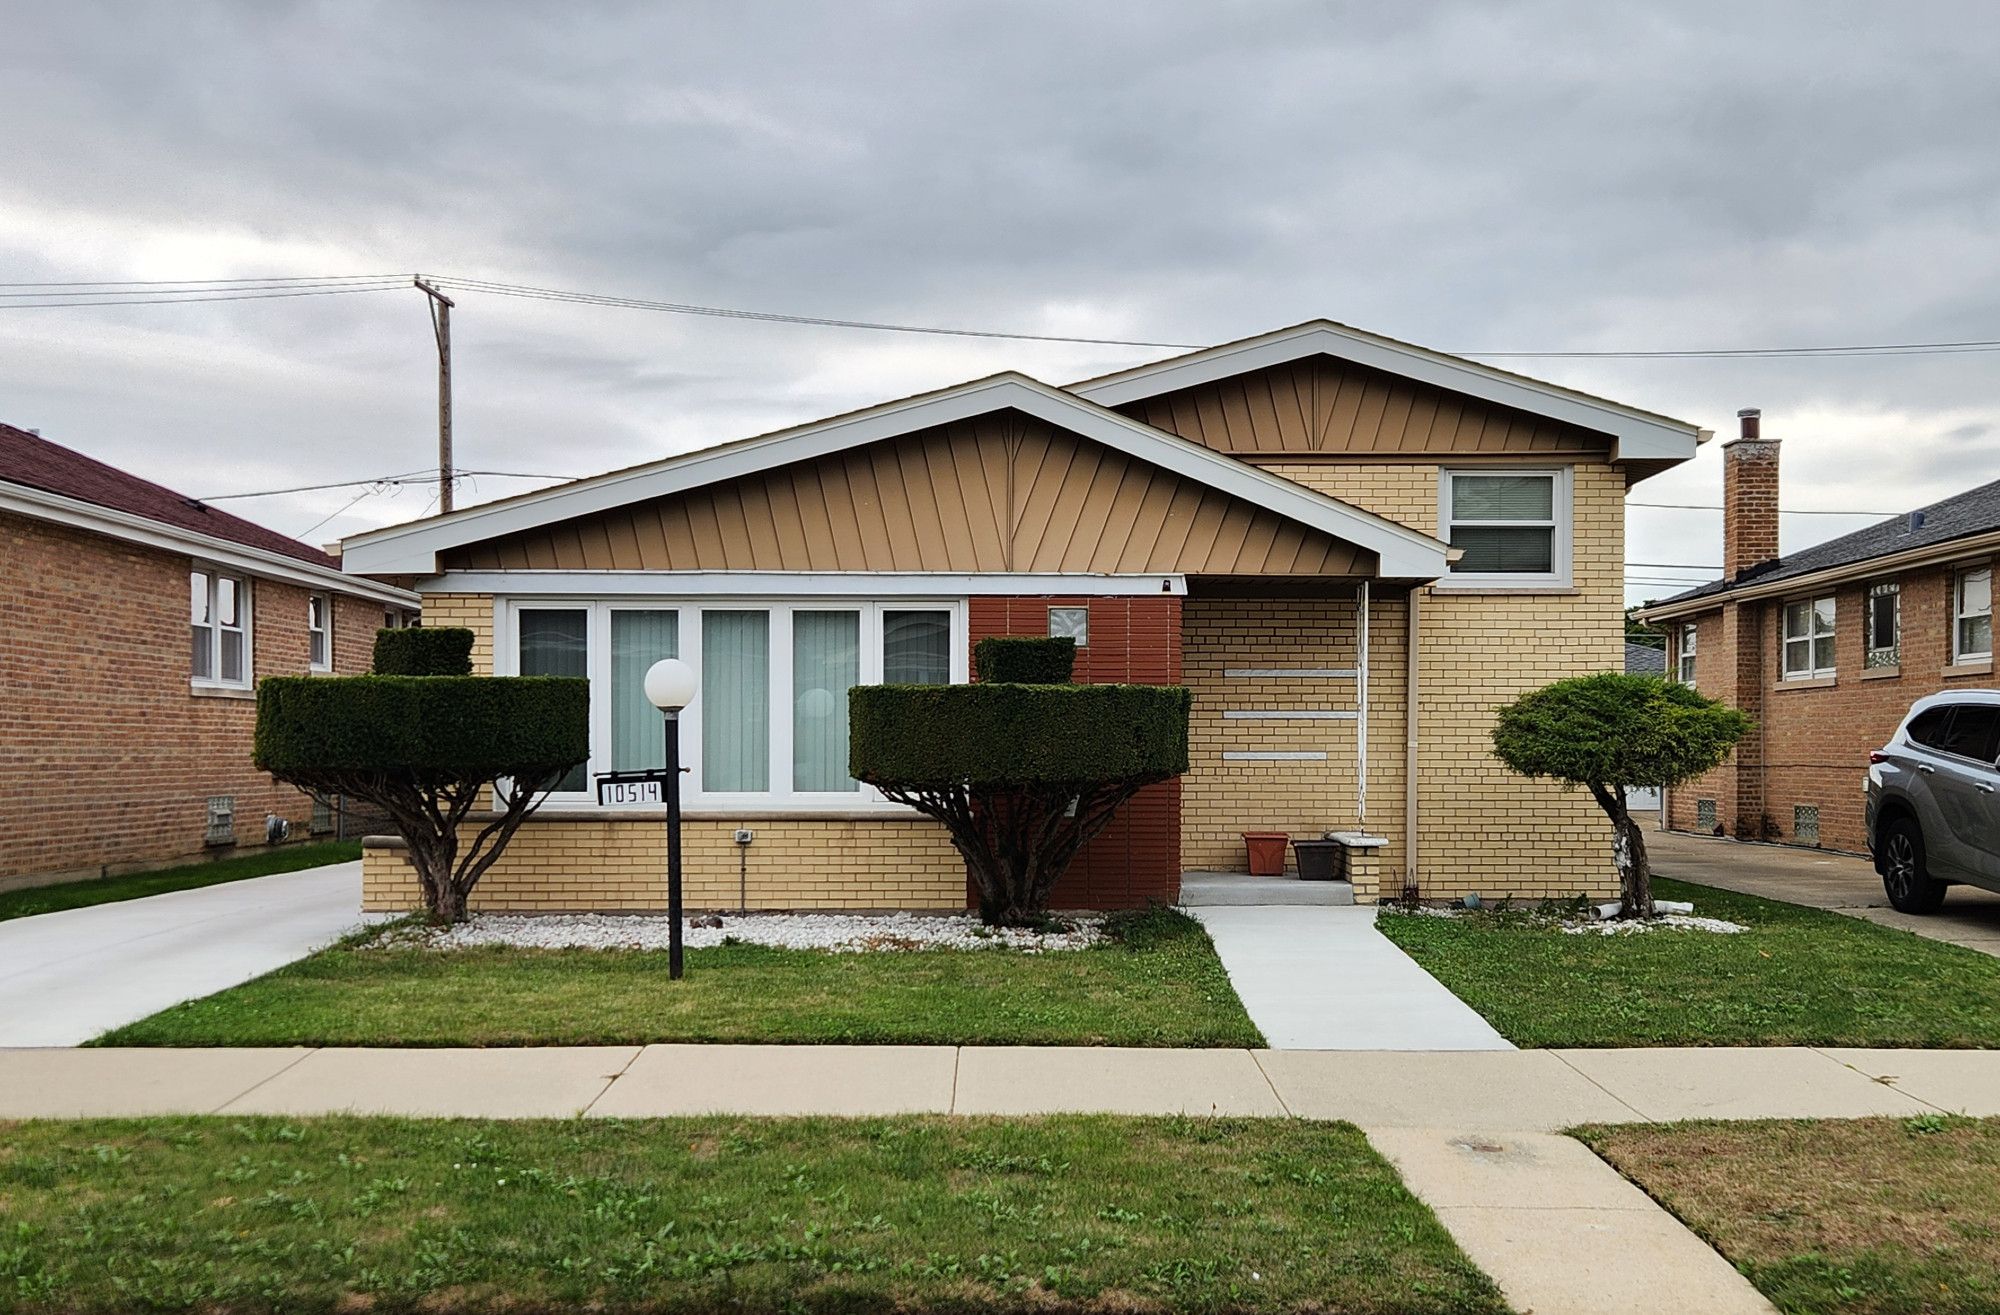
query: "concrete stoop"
1218, 889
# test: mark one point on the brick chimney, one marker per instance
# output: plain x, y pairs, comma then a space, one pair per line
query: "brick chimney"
1749, 497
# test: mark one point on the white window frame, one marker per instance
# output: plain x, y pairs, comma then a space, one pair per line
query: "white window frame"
1562, 503
781, 797
1684, 654
1786, 639
245, 624
324, 631
1872, 655
1960, 615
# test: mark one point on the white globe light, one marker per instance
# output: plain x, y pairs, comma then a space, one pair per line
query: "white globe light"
670, 684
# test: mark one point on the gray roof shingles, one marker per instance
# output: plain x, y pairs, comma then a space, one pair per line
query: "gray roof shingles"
1644, 660
1974, 511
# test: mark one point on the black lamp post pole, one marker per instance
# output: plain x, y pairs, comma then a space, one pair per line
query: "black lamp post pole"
674, 845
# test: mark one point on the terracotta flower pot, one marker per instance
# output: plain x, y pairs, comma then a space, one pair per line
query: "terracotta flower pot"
1267, 852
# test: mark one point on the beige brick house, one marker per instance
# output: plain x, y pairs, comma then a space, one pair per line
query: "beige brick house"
1353, 551
134, 625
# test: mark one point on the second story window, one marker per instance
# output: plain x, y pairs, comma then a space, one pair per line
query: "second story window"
219, 625
1808, 638
1511, 527
1885, 626
1685, 669
319, 632
1972, 615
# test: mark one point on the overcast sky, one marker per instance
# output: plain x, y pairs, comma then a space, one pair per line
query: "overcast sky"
1467, 176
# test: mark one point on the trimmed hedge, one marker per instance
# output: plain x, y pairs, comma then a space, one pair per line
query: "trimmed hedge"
994, 734
432, 726
424, 651
1025, 660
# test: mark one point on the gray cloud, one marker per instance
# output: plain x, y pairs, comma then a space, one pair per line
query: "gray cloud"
1557, 175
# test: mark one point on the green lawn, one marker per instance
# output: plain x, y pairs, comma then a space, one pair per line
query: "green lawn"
911, 1215
1838, 1217
1798, 976
109, 890
1158, 984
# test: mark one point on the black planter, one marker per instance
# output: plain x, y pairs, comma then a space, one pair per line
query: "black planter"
1320, 860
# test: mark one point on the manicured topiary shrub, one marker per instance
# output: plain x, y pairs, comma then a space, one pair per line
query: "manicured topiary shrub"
1021, 775
424, 651
1610, 730
424, 749
1025, 660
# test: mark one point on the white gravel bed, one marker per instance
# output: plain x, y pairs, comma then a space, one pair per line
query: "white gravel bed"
840, 933
1665, 922
1593, 925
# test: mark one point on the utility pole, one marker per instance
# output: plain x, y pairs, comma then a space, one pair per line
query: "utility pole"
441, 329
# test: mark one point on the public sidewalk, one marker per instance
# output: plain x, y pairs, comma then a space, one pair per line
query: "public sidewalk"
1515, 1091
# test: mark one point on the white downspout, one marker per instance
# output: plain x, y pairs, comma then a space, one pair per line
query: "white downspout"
1361, 709
1410, 740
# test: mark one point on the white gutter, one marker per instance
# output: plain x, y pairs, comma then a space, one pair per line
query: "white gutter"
39, 504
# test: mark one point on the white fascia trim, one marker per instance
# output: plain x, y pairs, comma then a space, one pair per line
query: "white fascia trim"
795, 584
1639, 434
412, 549
39, 504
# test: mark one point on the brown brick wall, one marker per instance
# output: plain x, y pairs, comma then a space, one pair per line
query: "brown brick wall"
1137, 858
107, 756
1812, 742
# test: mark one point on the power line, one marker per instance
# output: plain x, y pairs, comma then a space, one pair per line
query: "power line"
423, 476
773, 317
230, 296
301, 285
1783, 511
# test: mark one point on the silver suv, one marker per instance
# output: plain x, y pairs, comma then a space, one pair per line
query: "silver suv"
1934, 800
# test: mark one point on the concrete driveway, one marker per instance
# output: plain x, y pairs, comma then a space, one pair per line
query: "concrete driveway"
67, 977
1843, 883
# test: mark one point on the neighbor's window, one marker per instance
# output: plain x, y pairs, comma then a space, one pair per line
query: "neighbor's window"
1686, 654
1511, 526
1972, 611
395, 618
219, 626
319, 632
1808, 641
1070, 623
1885, 626
771, 717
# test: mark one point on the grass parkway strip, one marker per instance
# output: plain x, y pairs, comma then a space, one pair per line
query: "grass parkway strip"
913, 1214
1835, 1217
1157, 982
138, 885
1795, 977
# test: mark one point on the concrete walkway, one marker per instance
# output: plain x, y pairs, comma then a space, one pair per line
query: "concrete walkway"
1510, 1091
1322, 978
1559, 1229
67, 977
1843, 883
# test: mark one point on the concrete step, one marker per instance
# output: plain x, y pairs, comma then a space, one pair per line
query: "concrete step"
1199, 889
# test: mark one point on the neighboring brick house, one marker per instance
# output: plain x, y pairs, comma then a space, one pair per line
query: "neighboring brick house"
134, 624
1826, 648
1352, 550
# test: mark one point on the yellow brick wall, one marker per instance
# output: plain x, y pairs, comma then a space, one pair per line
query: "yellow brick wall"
1222, 798
566, 864
472, 612
1481, 828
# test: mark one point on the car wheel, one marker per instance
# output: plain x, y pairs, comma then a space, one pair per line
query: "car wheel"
1905, 877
